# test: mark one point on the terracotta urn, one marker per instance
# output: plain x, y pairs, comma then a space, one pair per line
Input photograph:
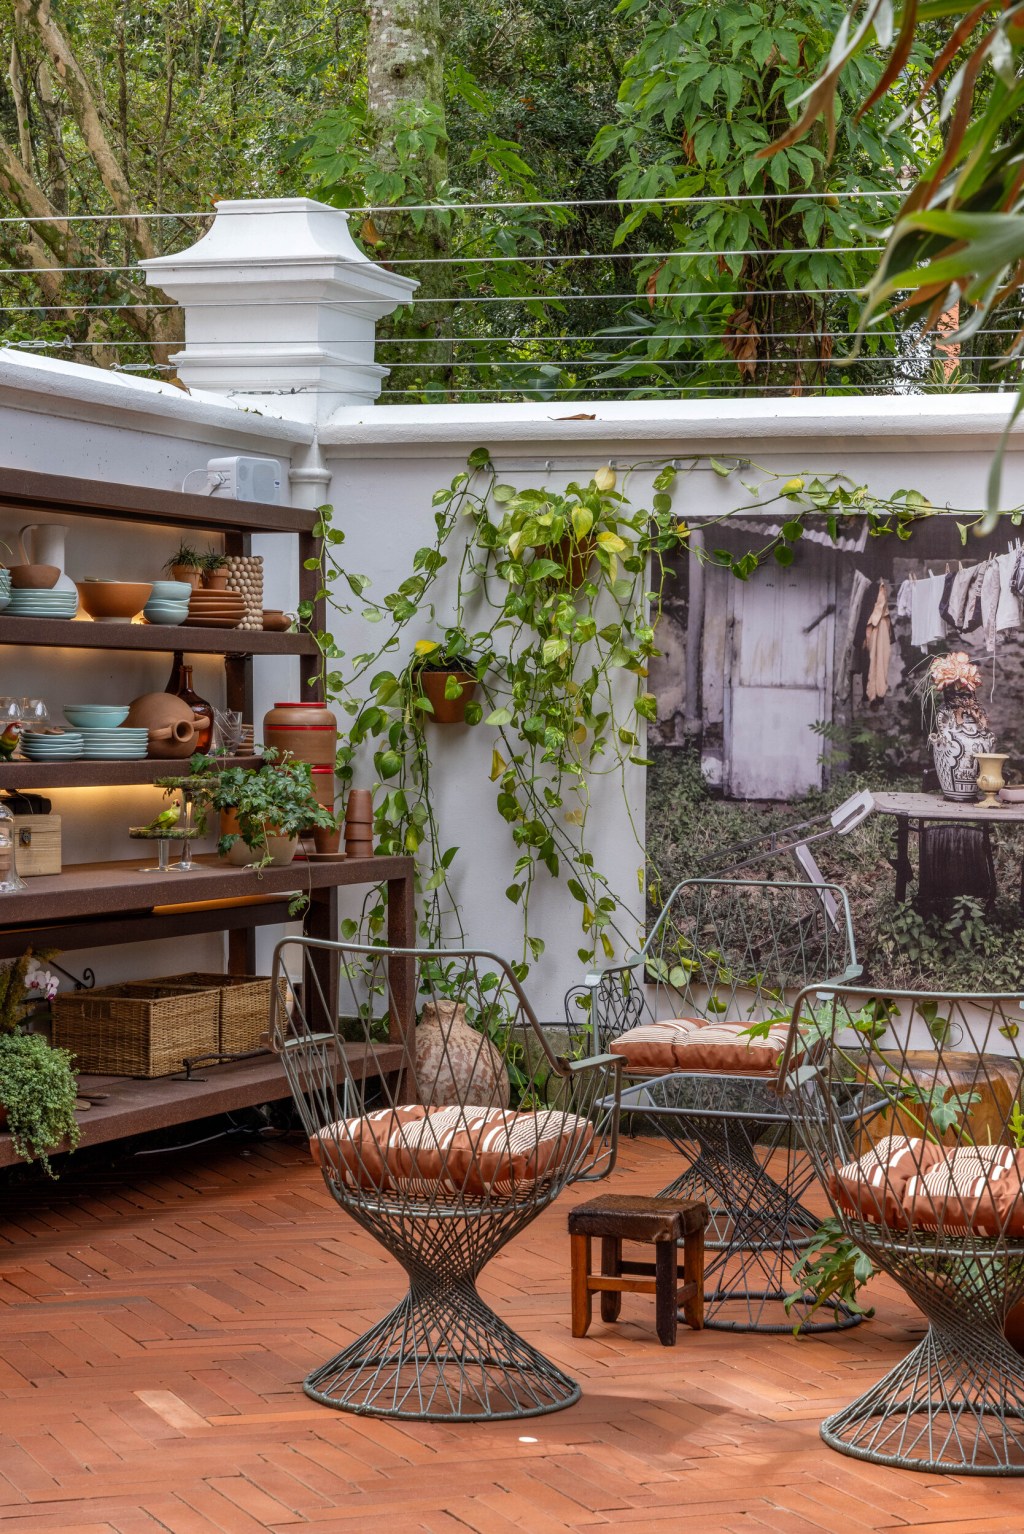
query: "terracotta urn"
169, 720
306, 731
455, 1063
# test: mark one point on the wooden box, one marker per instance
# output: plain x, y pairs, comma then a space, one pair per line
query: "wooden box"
37, 845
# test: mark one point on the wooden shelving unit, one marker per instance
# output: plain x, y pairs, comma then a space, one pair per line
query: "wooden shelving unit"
20, 773
101, 904
76, 634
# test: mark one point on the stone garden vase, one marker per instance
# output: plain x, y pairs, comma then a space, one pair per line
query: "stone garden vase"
456, 1064
961, 734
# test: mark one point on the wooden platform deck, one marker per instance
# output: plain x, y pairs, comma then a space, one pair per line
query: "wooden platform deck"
156, 1322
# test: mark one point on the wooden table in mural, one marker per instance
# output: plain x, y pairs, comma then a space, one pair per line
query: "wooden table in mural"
915, 811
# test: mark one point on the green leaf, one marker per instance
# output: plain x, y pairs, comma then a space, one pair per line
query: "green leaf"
499, 716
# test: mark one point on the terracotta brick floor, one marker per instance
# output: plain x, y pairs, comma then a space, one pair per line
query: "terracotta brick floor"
156, 1322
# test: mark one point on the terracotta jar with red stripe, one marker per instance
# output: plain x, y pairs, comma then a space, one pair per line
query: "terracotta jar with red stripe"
306, 731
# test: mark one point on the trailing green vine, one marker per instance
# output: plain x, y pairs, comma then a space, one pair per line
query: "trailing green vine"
550, 602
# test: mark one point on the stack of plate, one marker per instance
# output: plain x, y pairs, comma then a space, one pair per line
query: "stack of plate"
215, 610
40, 747
32, 603
120, 745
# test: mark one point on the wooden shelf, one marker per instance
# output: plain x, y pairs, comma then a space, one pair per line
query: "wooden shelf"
70, 634
101, 889
24, 490
138, 1107
24, 774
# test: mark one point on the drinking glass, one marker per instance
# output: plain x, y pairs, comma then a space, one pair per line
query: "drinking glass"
34, 711
10, 708
228, 729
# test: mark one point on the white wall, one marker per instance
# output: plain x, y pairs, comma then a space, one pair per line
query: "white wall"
387, 461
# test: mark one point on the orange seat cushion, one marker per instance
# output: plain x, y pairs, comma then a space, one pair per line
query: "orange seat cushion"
477, 1152
692, 1044
874, 1186
961, 1190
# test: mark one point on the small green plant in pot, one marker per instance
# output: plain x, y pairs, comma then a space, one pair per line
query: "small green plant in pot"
445, 678
214, 567
263, 810
38, 1087
185, 564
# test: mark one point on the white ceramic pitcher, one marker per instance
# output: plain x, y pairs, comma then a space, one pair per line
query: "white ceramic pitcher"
42, 543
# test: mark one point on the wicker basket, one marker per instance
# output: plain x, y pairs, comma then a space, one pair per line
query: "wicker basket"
244, 1006
136, 1029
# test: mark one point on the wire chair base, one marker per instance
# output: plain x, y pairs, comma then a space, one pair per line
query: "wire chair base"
955, 1405
442, 1355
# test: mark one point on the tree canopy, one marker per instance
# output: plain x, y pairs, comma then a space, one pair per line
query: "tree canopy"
559, 116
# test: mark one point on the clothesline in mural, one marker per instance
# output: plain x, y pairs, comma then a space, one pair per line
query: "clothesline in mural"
985, 596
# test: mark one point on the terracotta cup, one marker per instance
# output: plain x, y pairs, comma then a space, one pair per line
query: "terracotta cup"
359, 807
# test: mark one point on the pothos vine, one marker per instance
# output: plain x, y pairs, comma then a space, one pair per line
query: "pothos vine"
556, 603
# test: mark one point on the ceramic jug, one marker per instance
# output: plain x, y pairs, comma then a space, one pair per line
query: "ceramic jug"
42, 543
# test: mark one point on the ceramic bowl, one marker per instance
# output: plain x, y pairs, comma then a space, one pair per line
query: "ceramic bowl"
171, 591
113, 601
167, 613
34, 577
96, 716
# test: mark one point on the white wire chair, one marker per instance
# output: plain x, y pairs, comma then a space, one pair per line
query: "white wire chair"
443, 1140
911, 1106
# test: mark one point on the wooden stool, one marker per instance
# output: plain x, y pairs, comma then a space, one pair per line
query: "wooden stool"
618, 1217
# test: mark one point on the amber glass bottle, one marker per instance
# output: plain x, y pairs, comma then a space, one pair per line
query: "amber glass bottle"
202, 710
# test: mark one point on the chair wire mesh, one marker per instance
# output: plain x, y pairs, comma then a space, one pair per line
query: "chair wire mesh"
731, 951
911, 1107
443, 1139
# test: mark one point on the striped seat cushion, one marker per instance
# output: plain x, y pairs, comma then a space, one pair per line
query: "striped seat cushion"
476, 1152
874, 1186
967, 1189
691, 1044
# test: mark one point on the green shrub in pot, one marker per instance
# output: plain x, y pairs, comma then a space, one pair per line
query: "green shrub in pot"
273, 800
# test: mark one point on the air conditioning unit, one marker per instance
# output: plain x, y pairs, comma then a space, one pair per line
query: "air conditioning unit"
246, 479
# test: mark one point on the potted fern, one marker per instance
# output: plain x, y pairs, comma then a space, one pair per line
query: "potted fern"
38, 1087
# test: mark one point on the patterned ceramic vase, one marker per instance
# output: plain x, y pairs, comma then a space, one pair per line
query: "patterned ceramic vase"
456, 1064
961, 734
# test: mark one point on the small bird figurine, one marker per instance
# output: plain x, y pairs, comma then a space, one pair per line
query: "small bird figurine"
9, 739
167, 819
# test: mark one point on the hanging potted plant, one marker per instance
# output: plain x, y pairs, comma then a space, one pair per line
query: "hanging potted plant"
38, 1088
445, 678
567, 529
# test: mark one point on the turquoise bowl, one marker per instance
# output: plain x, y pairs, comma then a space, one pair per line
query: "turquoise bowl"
95, 716
171, 591
170, 614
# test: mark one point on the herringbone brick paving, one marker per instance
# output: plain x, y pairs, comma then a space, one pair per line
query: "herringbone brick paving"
155, 1325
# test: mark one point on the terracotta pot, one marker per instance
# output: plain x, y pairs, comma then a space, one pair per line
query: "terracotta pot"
34, 577
281, 848
306, 731
325, 840
158, 712
576, 557
216, 580
455, 1063
359, 807
358, 847
447, 710
189, 573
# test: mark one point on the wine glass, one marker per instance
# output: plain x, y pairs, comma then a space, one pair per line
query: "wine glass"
10, 708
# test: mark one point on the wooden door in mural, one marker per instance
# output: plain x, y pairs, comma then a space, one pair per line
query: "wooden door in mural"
779, 677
